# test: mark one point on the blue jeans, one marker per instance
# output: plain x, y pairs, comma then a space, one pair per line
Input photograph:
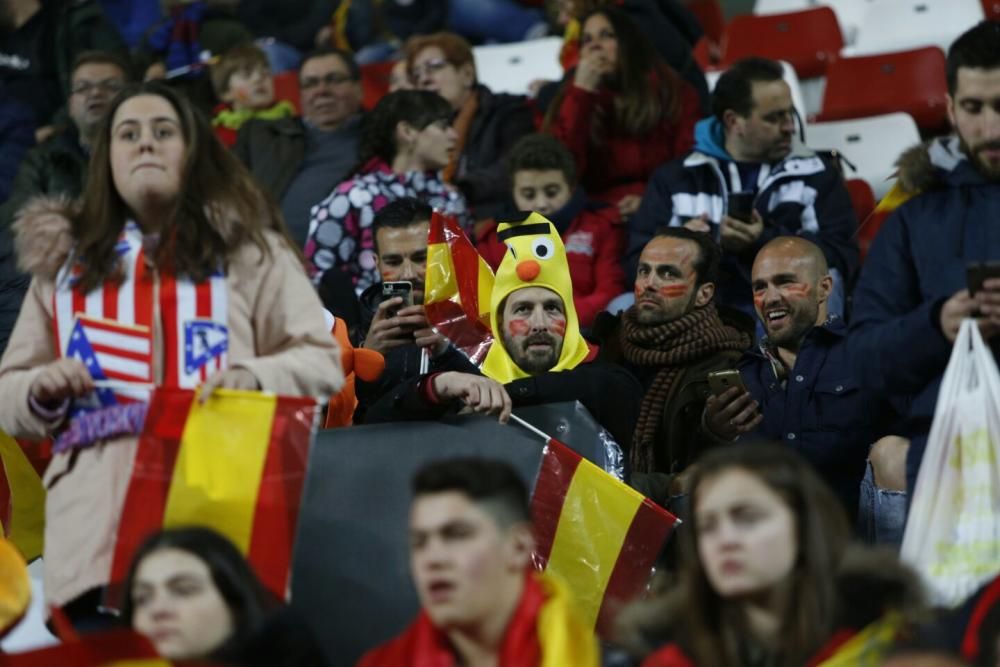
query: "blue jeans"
881, 513
494, 20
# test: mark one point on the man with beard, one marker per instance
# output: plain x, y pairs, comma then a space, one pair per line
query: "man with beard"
671, 339
749, 180
300, 160
482, 602
913, 294
538, 356
800, 378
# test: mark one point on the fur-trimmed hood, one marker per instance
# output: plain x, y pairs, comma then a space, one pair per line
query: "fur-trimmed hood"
870, 582
43, 236
933, 164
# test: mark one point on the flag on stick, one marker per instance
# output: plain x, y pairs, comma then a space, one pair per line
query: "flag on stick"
598, 534
236, 464
457, 288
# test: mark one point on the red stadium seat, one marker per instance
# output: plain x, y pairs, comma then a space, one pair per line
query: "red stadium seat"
374, 82
286, 87
991, 9
709, 15
809, 40
909, 81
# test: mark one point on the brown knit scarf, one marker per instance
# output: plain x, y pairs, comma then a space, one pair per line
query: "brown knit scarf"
673, 346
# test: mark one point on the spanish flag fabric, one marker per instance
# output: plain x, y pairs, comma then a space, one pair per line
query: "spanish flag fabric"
236, 463
22, 496
120, 648
457, 288
595, 533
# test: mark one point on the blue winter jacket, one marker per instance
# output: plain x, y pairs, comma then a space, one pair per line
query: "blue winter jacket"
917, 262
802, 195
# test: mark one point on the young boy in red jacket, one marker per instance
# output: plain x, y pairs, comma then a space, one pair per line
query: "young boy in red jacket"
544, 180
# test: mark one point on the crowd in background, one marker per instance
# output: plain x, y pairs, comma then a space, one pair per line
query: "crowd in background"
675, 259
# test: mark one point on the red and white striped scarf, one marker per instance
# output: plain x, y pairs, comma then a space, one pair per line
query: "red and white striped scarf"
110, 328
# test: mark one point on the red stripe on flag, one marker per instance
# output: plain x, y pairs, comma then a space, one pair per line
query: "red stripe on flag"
152, 472
168, 311
650, 528
559, 464
435, 234
275, 520
79, 301
6, 502
466, 261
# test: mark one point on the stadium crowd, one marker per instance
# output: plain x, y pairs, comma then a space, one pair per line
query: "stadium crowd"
673, 257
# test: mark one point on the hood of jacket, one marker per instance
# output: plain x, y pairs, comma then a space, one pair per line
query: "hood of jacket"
937, 163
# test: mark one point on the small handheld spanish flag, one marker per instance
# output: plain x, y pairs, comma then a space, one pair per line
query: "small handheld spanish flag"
236, 464
458, 285
596, 533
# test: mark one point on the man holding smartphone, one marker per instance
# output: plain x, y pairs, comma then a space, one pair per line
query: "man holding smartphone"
913, 294
798, 385
748, 181
393, 314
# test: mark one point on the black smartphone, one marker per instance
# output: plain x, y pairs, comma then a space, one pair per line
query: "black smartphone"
976, 274
740, 205
400, 288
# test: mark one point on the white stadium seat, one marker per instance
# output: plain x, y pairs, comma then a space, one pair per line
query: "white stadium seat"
510, 68
871, 144
898, 25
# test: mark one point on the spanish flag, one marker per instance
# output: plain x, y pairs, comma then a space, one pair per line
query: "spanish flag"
597, 534
236, 463
22, 496
458, 284
119, 648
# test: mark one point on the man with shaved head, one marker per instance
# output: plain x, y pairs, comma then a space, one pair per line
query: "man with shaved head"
799, 385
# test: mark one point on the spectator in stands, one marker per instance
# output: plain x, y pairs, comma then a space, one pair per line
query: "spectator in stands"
407, 140
17, 135
58, 167
538, 355
156, 167
399, 332
38, 43
748, 147
623, 113
543, 179
300, 160
913, 292
193, 594
487, 123
671, 339
800, 377
133, 17
242, 80
295, 23
481, 600
375, 30
668, 24
766, 575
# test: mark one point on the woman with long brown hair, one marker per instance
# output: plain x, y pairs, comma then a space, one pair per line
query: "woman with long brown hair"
767, 578
623, 112
173, 270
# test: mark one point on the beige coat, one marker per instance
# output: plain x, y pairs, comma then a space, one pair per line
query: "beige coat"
276, 331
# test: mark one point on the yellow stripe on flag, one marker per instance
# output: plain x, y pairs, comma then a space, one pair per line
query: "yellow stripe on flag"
27, 498
221, 460
594, 521
439, 281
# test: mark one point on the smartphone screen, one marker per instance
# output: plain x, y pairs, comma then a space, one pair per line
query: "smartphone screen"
400, 288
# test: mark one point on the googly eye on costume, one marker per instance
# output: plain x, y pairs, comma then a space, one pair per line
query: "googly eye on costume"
543, 248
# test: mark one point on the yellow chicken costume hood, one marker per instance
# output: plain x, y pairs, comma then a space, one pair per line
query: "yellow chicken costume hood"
535, 257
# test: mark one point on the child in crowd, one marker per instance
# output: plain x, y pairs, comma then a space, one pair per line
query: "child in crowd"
544, 180
242, 80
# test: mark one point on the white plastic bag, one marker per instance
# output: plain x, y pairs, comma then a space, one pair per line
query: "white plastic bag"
953, 532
